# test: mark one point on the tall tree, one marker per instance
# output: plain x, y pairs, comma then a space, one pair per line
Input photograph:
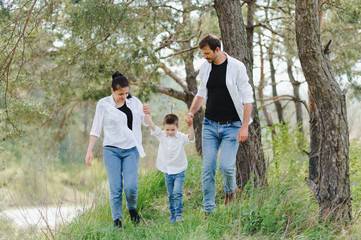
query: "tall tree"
329, 165
262, 84
250, 156
279, 108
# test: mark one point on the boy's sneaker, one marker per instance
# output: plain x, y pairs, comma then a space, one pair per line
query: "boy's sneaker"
134, 216
179, 218
172, 219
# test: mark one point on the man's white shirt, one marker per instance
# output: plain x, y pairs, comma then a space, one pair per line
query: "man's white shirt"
171, 157
236, 81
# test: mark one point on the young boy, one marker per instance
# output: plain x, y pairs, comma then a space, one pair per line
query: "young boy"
172, 159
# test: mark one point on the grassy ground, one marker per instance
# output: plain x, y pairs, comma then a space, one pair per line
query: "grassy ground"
284, 209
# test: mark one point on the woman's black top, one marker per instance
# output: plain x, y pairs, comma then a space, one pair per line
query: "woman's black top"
129, 114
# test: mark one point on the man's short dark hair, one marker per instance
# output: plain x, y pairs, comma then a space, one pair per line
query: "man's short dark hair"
210, 40
171, 119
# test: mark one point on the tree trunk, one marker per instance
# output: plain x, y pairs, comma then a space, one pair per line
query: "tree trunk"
250, 157
251, 4
261, 86
329, 179
296, 93
278, 104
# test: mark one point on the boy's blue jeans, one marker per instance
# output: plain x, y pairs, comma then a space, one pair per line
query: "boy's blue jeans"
122, 163
215, 136
174, 184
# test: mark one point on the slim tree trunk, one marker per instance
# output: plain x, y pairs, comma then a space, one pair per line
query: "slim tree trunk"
261, 86
330, 181
296, 93
250, 157
278, 105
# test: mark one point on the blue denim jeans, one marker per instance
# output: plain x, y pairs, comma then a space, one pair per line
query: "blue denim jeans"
122, 164
174, 184
215, 136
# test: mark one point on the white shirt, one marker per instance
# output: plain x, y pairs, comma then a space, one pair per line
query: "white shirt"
171, 157
236, 81
114, 123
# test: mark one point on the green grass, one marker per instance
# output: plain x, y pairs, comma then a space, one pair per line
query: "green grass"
284, 209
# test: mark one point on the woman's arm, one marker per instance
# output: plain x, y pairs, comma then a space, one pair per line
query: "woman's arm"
191, 133
89, 154
148, 120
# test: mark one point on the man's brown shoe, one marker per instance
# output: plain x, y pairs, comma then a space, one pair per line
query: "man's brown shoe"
231, 197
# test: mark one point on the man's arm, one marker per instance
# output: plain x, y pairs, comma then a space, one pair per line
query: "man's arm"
196, 104
243, 133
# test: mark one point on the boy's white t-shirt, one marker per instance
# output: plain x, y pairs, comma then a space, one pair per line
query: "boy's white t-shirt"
171, 157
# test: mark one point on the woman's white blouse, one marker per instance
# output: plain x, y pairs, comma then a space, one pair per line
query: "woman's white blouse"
114, 123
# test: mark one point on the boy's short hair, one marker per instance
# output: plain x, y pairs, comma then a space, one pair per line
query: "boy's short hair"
210, 40
171, 119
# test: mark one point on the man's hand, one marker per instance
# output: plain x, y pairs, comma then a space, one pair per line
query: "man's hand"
189, 119
243, 134
146, 108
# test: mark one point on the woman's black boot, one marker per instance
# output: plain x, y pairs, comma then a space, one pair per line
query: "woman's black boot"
134, 216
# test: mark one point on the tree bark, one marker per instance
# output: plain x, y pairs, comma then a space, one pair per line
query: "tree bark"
250, 156
329, 179
251, 4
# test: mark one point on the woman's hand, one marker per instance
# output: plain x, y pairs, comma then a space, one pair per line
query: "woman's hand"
88, 158
146, 108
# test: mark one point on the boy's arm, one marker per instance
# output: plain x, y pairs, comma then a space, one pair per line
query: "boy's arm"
148, 120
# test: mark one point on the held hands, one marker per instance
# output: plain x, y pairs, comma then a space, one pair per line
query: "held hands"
243, 134
146, 108
189, 119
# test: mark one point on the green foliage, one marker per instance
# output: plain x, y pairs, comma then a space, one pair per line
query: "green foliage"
286, 149
341, 25
355, 174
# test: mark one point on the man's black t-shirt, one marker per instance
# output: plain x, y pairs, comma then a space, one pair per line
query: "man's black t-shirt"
219, 106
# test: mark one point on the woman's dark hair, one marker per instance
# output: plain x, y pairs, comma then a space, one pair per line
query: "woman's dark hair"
210, 40
119, 81
171, 119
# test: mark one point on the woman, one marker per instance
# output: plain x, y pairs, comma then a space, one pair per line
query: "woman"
120, 116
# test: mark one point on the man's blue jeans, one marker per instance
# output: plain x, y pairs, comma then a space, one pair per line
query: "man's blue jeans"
122, 163
215, 136
174, 184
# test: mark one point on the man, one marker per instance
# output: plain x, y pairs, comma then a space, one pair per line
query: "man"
228, 95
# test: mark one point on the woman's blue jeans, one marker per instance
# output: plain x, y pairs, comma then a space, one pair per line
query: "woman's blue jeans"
174, 184
215, 136
122, 164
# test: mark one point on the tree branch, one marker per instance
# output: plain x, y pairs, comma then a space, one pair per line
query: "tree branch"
281, 98
171, 74
166, 91
180, 52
